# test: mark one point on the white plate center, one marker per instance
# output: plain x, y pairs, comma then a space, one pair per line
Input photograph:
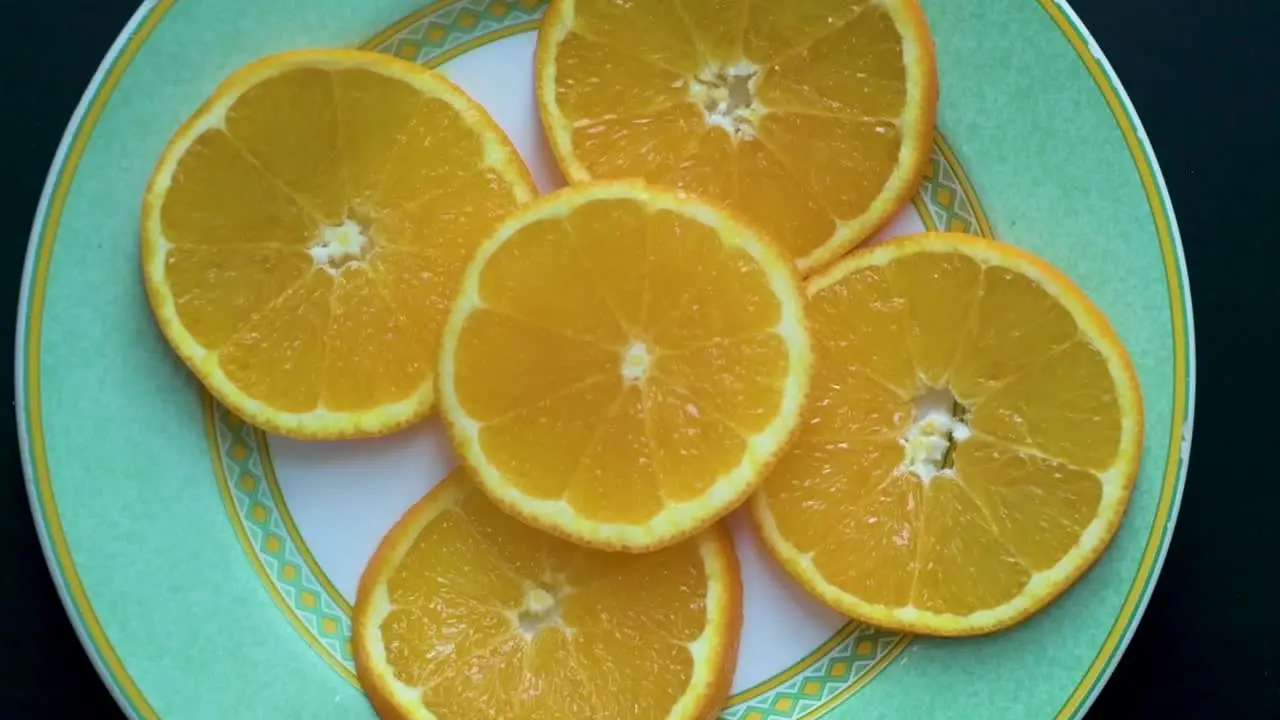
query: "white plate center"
344, 496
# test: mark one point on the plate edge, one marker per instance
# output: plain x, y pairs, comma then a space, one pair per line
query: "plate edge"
131, 39
1087, 691
111, 670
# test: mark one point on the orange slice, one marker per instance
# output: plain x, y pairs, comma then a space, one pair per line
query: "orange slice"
465, 612
812, 119
971, 443
624, 364
305, 229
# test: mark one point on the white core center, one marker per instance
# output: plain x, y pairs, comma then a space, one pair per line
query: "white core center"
338, 245
540, 609
635, 361
726, 98
934, 431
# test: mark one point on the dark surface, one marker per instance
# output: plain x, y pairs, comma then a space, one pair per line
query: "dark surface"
1202, 77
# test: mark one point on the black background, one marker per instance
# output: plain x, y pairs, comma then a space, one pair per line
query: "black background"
1202, 76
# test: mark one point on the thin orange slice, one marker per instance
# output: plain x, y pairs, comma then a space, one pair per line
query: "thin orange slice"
971, 443
624, 364
465, 612
812, 119
304, 231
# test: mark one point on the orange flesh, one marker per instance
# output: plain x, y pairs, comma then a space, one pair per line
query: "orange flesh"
469, 627
1040, 403
629, 370
816, 137
305, 151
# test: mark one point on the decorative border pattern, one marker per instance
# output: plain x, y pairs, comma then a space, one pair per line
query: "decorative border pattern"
445, 29
84, 121
268, 534
839, 673
946, 200
252, 497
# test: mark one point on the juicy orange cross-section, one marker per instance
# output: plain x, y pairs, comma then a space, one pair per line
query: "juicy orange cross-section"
971, 442
466, 612
812, 119
623, 364
304, 232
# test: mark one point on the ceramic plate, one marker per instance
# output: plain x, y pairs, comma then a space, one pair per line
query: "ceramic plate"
210, 568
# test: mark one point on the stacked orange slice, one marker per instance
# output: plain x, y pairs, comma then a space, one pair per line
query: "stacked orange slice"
813, 120
623, 364
465, 612
304, 231
971, 443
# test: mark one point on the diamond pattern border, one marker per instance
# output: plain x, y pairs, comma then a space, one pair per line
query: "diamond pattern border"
947, 204
808, 693
457, 23
276, 543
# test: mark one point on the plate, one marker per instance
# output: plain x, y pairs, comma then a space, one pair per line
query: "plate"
209, 568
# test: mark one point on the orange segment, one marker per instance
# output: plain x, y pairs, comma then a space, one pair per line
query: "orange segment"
788, 209
446, 148
523, 281
498, 353
695, 448
886, 524
444, 221
1040, 519
658, 87
717, 26
249, 206
971, 441
706, 318
619, 457
943, 292
835, 478
464, 612
843, 162
961, 546
623, 364
655, 31
747, 399
853, 69
361, 367
1044, 409
681, 255
305, 230
664, 138
305, 157
999, 342
619, 278
772, 29
280, 352
813, 120
415, 284
539, 448
376, 110
863, 323
217, 291
710, 169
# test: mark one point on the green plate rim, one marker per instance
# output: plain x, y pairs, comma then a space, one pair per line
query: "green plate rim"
80, 128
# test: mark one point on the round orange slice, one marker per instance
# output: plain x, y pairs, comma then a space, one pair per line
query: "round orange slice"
465, 612
812, 119
623, 364
971, 443
304, 231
